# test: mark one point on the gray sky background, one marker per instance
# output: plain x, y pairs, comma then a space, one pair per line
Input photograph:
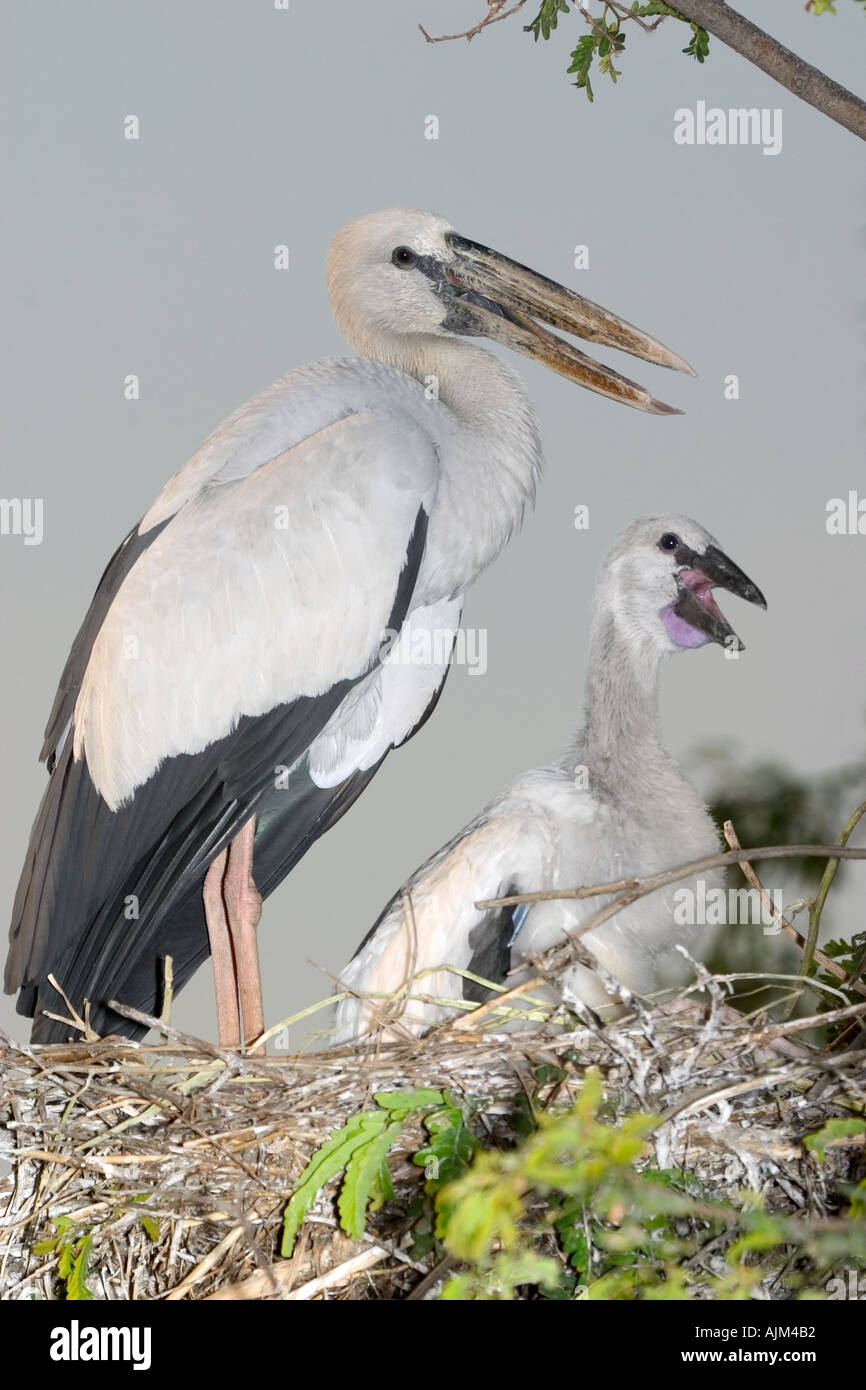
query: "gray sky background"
261, 127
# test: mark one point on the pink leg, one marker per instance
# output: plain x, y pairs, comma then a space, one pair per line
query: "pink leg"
244, 909
225, 979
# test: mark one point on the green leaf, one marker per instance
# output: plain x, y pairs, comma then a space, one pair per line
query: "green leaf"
151, 1227
383, 1188
457, 1290
362, 1171
699, 44
581, 62
325, 1164
833, 1129
64, 1264
546, 20
450, 1150
76, 1283
45, 1247
417, 1098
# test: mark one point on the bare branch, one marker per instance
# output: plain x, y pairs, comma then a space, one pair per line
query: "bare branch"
495, 12
630, 889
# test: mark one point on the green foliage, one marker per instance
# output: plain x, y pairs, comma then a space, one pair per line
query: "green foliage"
621, 1228
72, 1248
833, 1129
698, 45
577, 1209
361, 1147
828, 6
544, 23
149, 1224
606, 38
450, 1149
850, 956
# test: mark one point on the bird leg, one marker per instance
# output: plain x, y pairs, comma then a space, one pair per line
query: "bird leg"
243, 905
232, 907
225, 979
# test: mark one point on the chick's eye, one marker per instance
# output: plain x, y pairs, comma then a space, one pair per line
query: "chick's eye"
404, 257
669, 541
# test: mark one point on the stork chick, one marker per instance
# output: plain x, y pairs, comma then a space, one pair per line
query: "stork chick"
615, 805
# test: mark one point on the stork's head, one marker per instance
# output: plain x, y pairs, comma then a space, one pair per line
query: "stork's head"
398, 274
658, 581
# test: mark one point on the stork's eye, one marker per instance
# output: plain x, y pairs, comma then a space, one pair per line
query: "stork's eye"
669, 541
403, 257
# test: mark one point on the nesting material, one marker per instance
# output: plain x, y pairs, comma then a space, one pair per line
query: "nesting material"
178, 1160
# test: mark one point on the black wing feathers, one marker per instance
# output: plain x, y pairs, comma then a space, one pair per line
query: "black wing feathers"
103, 893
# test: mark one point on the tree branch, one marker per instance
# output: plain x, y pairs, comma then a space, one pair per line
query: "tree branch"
805, 81
736, 32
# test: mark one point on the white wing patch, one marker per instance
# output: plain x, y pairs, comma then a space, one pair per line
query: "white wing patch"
384, 709
271, 587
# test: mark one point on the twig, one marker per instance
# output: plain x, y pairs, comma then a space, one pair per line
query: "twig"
631, 889
205, 1265
470, 1020
752, 878
495, 13
167, 991
438, 1272
75, 1020
640, 886
823, 889
235, 1060
339, 1274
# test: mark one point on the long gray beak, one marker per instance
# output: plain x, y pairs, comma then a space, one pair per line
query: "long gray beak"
491, 295
697, 607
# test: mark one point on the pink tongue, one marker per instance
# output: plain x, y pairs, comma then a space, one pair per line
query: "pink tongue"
682, 632
702, 589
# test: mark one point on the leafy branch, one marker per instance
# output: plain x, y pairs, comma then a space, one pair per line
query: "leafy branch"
705, 18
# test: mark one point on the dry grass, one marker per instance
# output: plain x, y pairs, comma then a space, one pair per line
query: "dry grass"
209, 1145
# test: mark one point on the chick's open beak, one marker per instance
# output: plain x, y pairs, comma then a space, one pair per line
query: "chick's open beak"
695, 605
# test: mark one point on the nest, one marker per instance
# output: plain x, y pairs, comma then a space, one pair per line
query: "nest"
178, 1159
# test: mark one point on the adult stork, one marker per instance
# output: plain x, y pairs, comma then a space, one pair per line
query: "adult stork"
615, 805
236, 682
